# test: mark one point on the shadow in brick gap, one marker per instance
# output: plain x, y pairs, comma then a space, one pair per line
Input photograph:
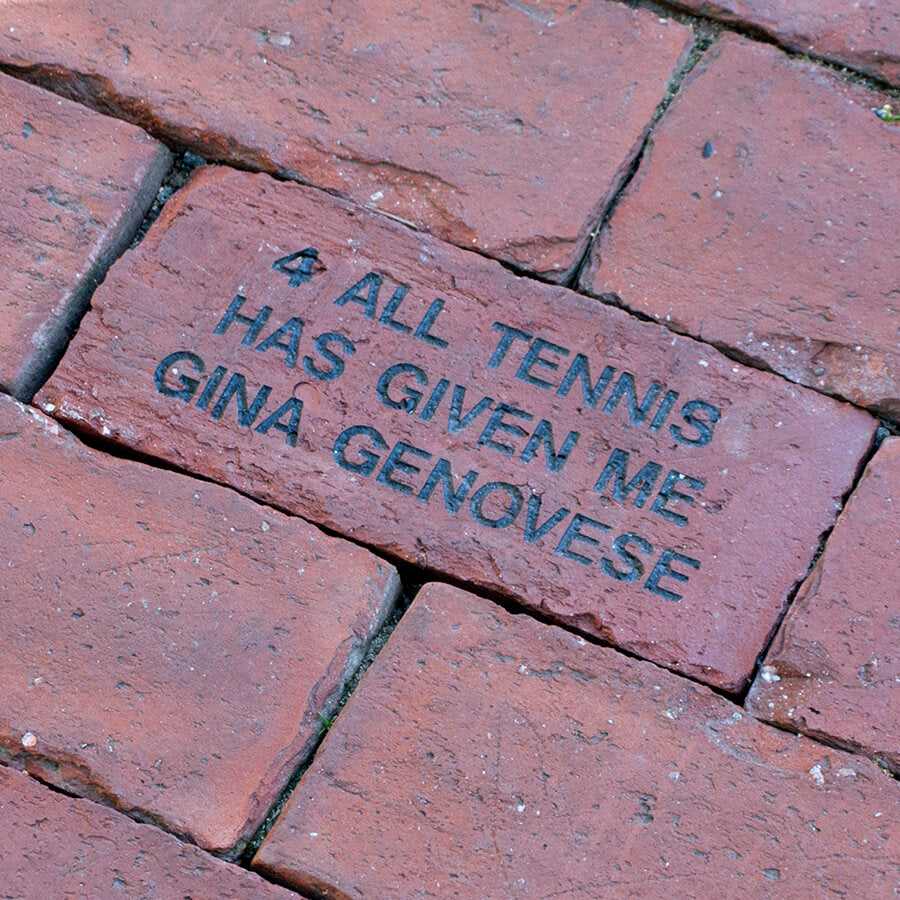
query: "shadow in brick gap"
412, 579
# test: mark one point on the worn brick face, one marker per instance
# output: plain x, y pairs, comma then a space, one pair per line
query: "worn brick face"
764, 219
382, 390
834, 669
165, 644
74, 188
501, 127
56, 846
864, 34
488, 755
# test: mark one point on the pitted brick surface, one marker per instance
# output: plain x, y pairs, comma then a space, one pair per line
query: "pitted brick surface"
834, 669
165, 644
502, 127
764, 219
56, 846
616, 476
488, 755
74, 186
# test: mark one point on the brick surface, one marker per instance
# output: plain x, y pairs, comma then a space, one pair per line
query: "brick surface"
864, 34
564, 498
487, 755
503, 127
834, 669
165, 644
56, 846
765, 219
74, 188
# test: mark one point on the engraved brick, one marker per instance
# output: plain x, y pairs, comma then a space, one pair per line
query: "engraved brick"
488, 755
74, 188
57, 846
864, 35
765, 220
375, 385
504, 127
834, 669
166, 645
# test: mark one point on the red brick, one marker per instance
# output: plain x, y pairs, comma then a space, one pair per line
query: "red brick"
864, 34
764, 219
75, 187
504, 127
166, 645
834, 669
487, 755
777, 465
56, 846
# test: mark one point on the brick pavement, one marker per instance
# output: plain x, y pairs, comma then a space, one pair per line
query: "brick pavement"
662, 487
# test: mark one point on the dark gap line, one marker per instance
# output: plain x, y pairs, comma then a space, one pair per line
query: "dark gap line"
59, 80
87, 90
187, 159
242, 854
863, 462
410, 583
418, 575
18, 760
70, 795
735, 355
55, 788
412, 577
709, 25
183, 163
832, 743
183, 150
162, 195
701, 43
670, 9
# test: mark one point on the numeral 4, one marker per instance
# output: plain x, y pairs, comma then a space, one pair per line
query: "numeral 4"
303, 271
